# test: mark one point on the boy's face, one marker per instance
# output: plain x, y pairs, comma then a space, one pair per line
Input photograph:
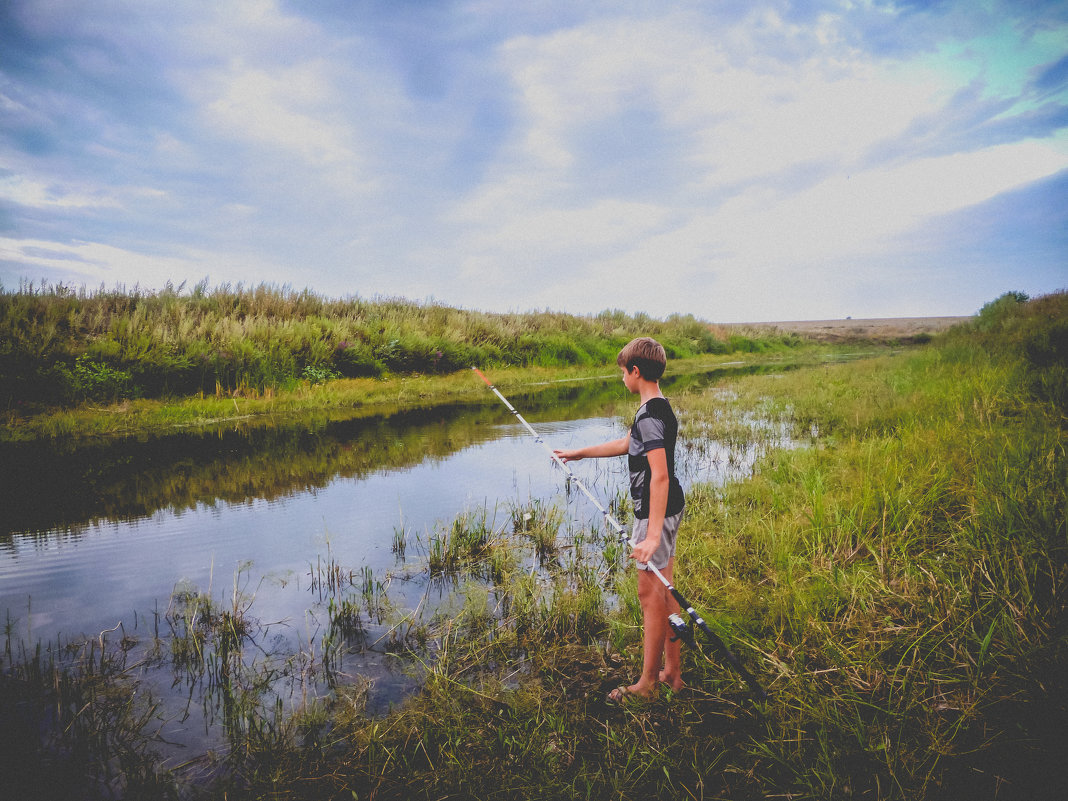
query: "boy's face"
630, 378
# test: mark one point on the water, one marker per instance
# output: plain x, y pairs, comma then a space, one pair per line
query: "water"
102, 536
95, 535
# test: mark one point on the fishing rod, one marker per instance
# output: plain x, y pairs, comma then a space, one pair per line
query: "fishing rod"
678, 625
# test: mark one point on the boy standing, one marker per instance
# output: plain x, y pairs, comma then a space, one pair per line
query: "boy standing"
658, 505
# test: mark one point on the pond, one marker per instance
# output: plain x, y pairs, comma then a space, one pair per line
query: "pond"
272, 522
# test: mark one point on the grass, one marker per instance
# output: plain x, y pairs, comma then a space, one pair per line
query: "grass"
311, 406
64, 346
898, 584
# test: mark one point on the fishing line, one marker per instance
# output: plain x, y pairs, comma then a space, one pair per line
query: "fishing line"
678, 625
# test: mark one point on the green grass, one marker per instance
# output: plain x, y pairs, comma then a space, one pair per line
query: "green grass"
898, 584
312, 405
62, 346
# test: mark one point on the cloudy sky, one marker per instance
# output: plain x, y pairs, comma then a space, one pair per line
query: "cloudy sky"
739, 160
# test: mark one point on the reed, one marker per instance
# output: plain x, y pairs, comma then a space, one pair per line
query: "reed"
63, 346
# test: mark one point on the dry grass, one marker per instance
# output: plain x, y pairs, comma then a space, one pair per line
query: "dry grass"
880, 329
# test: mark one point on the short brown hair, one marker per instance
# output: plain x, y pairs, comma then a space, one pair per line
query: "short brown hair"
646, 354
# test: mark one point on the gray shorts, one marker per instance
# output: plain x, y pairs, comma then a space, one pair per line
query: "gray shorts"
666, 550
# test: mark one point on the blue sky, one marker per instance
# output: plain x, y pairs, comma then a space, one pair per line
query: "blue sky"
739, 161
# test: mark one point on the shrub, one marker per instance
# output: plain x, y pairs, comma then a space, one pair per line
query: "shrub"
355, 359
98, 381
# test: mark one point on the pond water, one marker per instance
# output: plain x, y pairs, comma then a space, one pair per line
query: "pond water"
102, 537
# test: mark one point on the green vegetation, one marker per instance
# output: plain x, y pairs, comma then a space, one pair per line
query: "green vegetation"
64, 346
899, 585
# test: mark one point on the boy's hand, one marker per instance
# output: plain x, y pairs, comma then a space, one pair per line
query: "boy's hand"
566, 456
645, 549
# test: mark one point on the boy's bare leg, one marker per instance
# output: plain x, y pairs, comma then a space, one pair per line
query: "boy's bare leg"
653, 597
661, 658
671, 674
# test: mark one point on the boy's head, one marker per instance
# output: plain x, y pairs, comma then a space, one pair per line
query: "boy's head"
646, 354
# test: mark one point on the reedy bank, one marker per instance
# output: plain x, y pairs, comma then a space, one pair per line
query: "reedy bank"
60, 345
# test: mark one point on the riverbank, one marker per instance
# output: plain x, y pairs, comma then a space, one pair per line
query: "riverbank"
340, 398
61, 346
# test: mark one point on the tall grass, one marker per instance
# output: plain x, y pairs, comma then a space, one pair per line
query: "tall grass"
905, 580
62, 345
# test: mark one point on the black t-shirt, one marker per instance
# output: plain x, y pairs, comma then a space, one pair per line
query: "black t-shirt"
655, 426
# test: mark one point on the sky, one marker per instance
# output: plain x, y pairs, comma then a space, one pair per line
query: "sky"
740, 161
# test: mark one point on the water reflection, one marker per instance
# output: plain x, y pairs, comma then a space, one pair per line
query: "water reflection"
49, 486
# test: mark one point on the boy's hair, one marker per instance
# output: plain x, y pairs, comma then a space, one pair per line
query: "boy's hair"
646, 354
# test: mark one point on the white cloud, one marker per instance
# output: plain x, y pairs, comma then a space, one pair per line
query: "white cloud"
744, 212
548, 235
99, 263
285, 109
96, 263
40, 195
856, 213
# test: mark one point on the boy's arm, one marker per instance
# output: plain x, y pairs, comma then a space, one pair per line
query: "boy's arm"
615, 447
659, 484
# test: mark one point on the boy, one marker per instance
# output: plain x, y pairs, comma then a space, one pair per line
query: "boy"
658, 505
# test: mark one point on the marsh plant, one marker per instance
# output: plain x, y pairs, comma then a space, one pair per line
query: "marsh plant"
78, 723
540, 521
462, 543
64, 345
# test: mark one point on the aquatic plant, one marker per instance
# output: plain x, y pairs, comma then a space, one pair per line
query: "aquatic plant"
465, 541
541, 522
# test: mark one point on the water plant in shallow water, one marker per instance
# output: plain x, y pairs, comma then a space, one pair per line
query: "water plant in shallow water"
540, 521
461, 543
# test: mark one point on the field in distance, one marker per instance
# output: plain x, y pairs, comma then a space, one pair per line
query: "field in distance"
878, 329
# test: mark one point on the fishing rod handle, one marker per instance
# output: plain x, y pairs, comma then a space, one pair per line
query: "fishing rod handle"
720, 646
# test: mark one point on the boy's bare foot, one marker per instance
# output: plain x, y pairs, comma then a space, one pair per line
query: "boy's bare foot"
634, 691
674, 682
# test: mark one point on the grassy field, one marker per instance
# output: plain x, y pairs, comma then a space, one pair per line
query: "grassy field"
909, 330
63, 347
898, 584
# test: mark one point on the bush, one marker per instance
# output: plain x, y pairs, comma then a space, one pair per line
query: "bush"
94, 380
314, 374
355, 360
